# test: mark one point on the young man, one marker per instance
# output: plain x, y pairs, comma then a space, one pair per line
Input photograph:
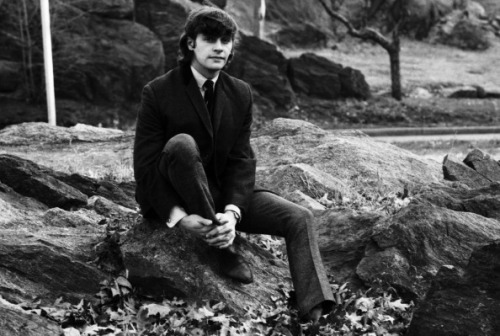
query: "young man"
195, 168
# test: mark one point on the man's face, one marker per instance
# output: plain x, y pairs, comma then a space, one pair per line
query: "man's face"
210, 54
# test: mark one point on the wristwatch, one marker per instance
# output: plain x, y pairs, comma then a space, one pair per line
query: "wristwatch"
236, 215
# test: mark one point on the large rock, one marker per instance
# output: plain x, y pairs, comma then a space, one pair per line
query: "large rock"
298, 11
166, 19
84, 73
300, 36
263, 66
115, 9
37, 132
16, 322
26, 178
483, 201
10, 81
402, 241
463, 304
410, 247
171, 262
457, 171
483, 164
317, 76
84, 70
367, 167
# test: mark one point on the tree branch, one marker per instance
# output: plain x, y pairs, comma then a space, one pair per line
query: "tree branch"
365, 33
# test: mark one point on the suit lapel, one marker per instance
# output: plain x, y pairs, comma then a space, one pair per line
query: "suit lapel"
194, 94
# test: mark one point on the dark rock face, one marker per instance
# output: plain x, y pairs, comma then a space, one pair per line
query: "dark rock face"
300, 35
100, 59
483, 164
457, 171
113, 9
26, 178
16, 322
264, 67
316, 76
171, 263
466, 304
298, 11
166, 19
411, 246
353, 84
470, 35
9, 76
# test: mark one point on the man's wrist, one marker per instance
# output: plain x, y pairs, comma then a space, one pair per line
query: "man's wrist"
235, 214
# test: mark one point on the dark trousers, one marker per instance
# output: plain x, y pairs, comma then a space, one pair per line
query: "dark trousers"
267, 214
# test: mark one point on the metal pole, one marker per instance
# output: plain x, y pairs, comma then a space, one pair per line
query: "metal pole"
47, 58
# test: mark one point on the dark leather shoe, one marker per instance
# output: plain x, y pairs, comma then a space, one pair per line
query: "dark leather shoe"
234, 266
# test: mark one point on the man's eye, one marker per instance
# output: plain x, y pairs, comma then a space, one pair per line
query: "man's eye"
210, 39
225, 40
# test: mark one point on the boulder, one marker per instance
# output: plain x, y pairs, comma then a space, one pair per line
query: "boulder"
262, 65
84, 70
246, 15
166, 19
300, 36
367, 167
409, 248
457, 171
38, 132
484, 201
463, 303
114, 9
26, 178
317, 76
299, 11
483, 164
84, 73
302, 177
462, 29
10, 81
353, 84
469, 34
16, 322
172, 263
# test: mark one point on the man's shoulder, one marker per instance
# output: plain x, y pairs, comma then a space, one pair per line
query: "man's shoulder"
170, 77
234, 83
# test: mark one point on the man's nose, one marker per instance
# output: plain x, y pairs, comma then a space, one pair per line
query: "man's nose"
218, 45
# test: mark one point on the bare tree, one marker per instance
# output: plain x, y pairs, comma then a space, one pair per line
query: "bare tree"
392, 47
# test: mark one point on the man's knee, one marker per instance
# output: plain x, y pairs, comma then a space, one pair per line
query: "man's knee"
302, 218
182, 144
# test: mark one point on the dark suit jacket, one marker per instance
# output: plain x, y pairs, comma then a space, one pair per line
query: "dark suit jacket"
173, 104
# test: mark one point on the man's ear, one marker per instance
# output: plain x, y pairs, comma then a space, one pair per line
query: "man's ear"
191, 43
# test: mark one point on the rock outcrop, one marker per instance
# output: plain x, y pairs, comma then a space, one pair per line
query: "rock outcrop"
463, 303
319, 77
382, 214
101, 59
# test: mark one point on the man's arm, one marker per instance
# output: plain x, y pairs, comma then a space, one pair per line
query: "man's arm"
239, 175
150, 139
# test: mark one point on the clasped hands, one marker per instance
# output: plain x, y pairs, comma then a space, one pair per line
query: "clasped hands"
220, 236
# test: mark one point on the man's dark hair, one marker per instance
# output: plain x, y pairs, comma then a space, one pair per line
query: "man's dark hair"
209, 21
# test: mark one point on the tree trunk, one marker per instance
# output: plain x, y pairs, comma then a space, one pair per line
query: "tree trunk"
394, 52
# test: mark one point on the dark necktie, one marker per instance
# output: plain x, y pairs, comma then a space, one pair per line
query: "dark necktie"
209, 95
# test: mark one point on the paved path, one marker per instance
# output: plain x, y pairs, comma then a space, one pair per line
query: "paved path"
465, 137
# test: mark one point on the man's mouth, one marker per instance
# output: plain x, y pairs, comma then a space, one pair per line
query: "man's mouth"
217, 58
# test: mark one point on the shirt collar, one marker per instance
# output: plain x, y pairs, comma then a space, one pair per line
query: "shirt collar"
200, 79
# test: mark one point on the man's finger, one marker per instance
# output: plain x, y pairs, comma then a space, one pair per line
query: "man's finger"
205, 221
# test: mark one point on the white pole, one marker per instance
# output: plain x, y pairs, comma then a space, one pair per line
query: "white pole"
47, 58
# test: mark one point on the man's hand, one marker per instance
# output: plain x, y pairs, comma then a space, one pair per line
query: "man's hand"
197, 225
222, 236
